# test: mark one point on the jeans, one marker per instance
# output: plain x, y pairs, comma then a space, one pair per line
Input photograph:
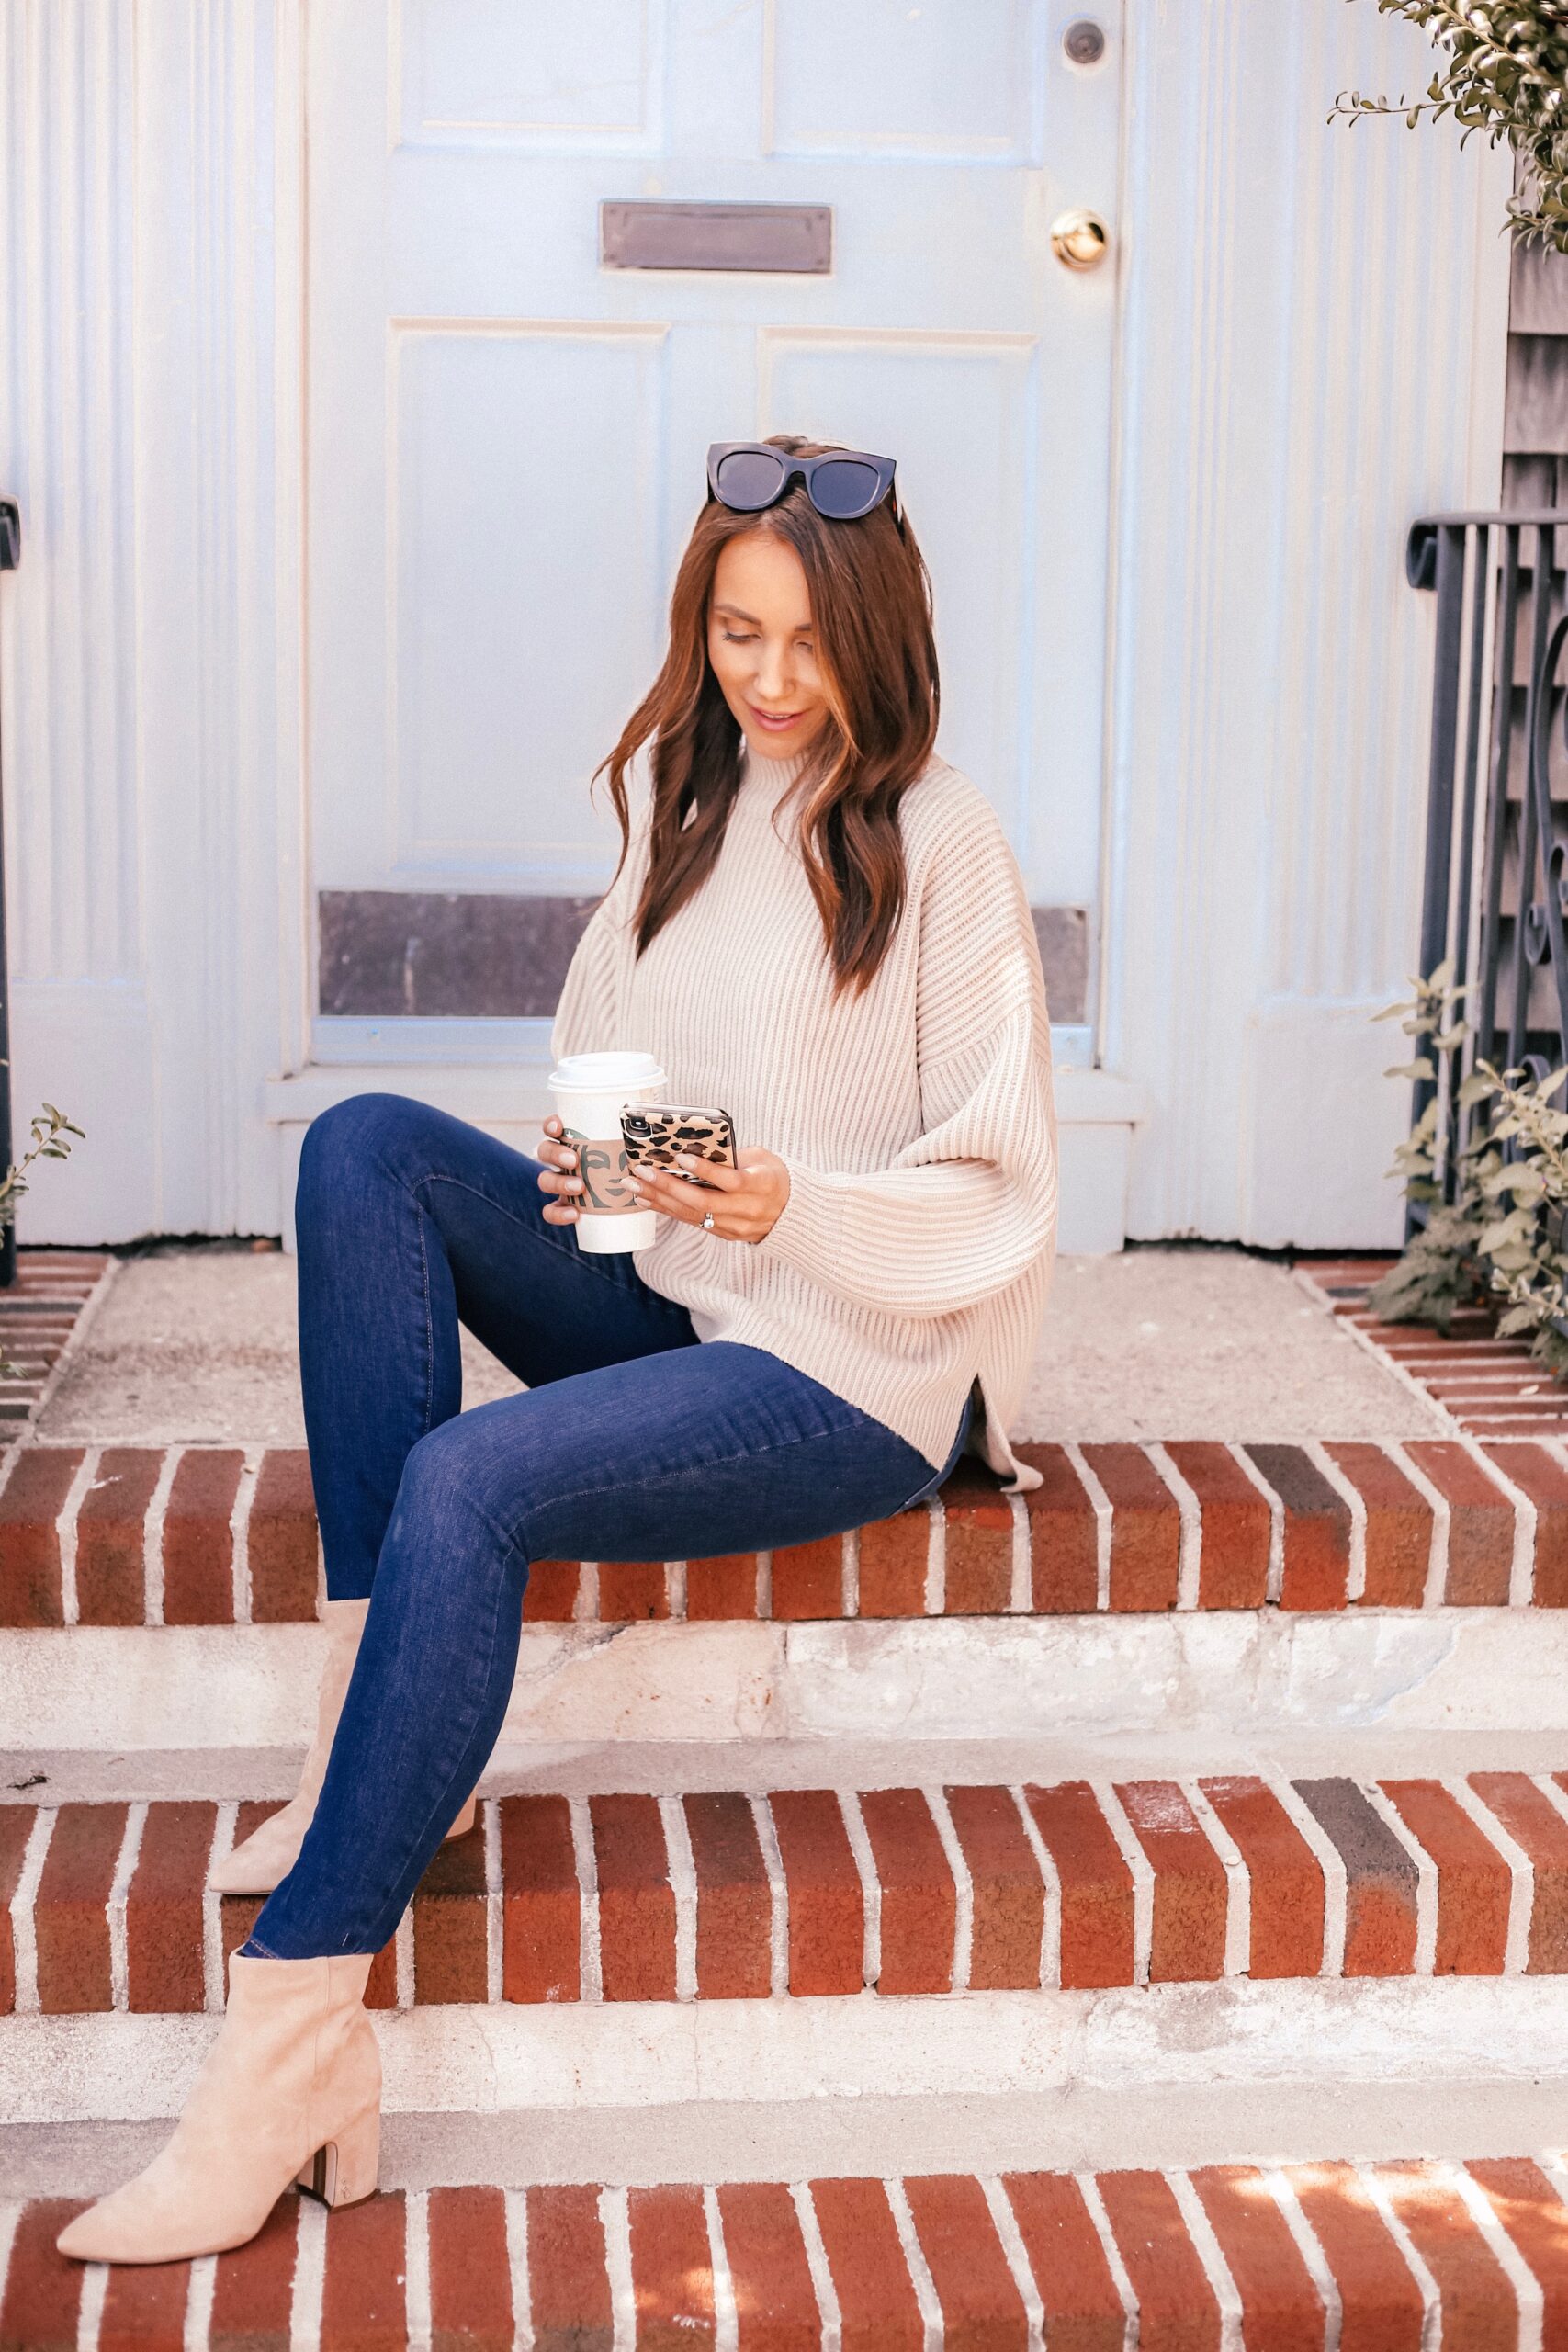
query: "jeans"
632, 1441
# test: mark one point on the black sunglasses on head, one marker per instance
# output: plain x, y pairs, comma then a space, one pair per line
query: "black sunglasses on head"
842, 485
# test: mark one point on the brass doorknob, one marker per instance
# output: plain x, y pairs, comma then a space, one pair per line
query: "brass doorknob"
1080, 239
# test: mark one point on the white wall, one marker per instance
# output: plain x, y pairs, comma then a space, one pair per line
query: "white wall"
1313, 341
1314, 332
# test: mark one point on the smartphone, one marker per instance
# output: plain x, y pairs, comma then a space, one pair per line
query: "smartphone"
654, 1132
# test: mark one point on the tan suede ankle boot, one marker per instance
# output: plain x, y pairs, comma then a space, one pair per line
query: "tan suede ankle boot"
264, 1859
291, 2090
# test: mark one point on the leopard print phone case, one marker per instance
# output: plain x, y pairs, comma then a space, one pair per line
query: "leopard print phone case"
655, 1132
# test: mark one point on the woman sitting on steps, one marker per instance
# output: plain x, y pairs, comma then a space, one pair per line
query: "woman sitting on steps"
818, 926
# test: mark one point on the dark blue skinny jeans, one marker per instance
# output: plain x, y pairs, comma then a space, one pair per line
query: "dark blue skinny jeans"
631, 1443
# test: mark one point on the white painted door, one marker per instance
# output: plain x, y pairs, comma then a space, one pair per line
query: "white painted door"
506, 437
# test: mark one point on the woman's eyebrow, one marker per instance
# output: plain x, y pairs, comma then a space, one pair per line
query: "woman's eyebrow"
734, 612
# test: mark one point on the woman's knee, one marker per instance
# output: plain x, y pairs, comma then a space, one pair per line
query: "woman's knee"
458, 1498
367, 1134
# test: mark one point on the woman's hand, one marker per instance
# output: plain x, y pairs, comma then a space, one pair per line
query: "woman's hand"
564, 1184
746, 1202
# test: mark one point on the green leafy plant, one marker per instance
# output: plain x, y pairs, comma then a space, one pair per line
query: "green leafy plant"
1502, 1235
1503, 74
53, 1134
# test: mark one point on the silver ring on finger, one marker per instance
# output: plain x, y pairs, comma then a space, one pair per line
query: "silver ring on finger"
707, 1220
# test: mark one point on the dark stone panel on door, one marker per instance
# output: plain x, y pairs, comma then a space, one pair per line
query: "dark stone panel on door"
474, 955
469, 954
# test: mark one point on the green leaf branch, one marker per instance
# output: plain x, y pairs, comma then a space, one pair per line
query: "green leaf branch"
1501, 77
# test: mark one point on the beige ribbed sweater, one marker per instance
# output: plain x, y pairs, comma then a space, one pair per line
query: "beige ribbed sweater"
914, 1254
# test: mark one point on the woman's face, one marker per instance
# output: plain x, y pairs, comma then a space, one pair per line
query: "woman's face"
761, 646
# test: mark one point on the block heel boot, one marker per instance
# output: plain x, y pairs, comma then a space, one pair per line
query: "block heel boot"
291, 2091
264, 1859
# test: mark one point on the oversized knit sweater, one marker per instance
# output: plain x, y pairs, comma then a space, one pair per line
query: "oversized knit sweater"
913, 1255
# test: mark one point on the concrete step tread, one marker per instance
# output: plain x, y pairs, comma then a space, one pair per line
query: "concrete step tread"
1398, 2253
212, 1536
808, 1893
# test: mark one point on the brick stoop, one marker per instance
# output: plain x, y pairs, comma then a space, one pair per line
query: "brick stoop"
1387, 2258
38, 1317
1489, 1387
211, 1535
811, 1893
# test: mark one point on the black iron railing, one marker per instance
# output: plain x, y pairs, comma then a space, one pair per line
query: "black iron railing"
1494, 901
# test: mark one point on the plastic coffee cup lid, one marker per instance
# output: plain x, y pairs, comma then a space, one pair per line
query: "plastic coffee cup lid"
604, 1073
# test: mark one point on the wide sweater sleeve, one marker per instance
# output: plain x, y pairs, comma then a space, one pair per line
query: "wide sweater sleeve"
971, 1203
588, 1018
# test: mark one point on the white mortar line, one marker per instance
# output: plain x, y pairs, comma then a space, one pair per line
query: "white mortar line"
1217, 2270
614, 2215
1190, 1558
1331, 1862
684, 1886
936, 1558
1521, 2277
153, 1535
119, 1887
585, 1608
1355, 1502
9, 2217
1521, 1872
1431, 2300
310, 2277
212, 1911
1521, 1572
1312, 2254
963, 1890
1102, 1522
1438, 1556
849, 1576
403, 1959
1274, 1583
870, 1885
1555, 1797
727, 2324
764, 1586
23, 1925
1238, 1881
675, 1590
1020, 1596
1051, 1922
517, 2262
831, 2317
1388, 1812
916, 2264
1143, 1872
778, 1899
1088, 2189
592, 1983
416, 2269
239, 1532
495, 1923
66, 1531
1005, 2222
199, 2297
90, 2310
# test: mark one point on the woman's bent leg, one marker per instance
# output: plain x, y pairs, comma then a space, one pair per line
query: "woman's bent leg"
410, 1223
708, 1450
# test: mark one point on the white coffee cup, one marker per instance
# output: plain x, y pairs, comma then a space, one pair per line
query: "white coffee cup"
591, 1092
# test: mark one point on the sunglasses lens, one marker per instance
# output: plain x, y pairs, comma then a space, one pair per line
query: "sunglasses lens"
747, 479
843, 488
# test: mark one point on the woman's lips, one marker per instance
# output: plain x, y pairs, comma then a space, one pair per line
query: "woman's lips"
778, 722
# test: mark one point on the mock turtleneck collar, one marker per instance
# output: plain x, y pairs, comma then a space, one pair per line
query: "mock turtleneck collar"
775, 775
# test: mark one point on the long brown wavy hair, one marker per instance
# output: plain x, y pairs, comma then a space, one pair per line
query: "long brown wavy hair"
871, 609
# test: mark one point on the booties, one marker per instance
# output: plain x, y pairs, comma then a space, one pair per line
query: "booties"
265, 1857
291, 2090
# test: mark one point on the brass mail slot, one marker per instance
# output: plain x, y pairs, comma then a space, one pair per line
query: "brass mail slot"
798, 237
